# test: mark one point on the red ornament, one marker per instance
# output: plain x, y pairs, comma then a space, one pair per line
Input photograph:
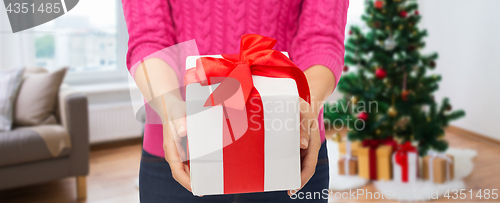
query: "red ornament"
363, 116
404, 95
380, 73
350, 32
346, 68
403, 14
416, 12
378, 4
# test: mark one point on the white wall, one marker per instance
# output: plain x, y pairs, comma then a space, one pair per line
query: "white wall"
466, 34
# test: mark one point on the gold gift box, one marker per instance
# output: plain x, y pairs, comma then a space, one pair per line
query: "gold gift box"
353, 167
438, 168
384, 163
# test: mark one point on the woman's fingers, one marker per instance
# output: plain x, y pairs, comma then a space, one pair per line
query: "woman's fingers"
305, 123
308, 167
180, 126
177, 114
177, 166
304, 130
309, 155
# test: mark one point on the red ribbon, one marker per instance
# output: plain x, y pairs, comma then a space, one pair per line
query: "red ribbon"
372, 155
255, 58
401, 158
244, 156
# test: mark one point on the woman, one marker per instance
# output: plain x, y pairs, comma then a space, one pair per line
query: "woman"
312, 31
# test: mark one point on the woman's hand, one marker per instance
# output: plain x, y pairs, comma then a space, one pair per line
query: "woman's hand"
159, 85
174, 131
321, 84
310, 142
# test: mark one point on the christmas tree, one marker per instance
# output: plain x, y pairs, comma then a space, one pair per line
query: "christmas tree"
391, 89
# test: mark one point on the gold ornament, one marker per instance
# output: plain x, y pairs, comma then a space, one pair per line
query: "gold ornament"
378, 131
402, 123
400, 27
428, 119
387, 82
392, 111
387, 27
354, 99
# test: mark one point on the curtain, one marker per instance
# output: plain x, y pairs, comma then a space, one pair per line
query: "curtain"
16, 49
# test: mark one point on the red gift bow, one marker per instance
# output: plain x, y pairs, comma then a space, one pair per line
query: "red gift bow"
256, 57
372, 156
401, 158
244, 171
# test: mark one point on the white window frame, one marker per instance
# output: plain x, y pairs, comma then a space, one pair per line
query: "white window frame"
115, 76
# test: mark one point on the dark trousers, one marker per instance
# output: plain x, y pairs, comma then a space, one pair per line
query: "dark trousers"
156, 184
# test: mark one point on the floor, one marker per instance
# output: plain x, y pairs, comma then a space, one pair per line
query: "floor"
114, 171
112, 179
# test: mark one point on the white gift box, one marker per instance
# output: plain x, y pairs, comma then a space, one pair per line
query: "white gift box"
412, 168
281, 140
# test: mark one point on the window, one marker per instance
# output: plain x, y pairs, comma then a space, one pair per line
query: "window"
356, 10
85, 39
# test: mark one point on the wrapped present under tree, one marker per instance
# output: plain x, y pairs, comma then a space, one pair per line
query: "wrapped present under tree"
438, 167
348, 164
374, 159
405, 163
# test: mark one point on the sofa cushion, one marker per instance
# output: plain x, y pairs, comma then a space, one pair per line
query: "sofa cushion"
22, 145
36, 101
10, 80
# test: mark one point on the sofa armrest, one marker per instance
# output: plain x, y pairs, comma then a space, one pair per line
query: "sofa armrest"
77, 123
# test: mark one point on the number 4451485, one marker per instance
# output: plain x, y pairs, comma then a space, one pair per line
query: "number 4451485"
30, 8
462, 194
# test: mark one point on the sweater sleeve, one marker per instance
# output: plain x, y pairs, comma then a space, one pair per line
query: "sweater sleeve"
151, 31
320, 35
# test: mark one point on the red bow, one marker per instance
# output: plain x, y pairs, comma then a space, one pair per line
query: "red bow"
372, 143
255, 58
401, 158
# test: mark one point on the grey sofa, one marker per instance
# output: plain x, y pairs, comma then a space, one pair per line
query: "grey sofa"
25, 159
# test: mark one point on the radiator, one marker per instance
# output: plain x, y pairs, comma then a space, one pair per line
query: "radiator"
111, 122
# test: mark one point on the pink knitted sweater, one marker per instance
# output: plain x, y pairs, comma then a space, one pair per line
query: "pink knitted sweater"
312, 31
